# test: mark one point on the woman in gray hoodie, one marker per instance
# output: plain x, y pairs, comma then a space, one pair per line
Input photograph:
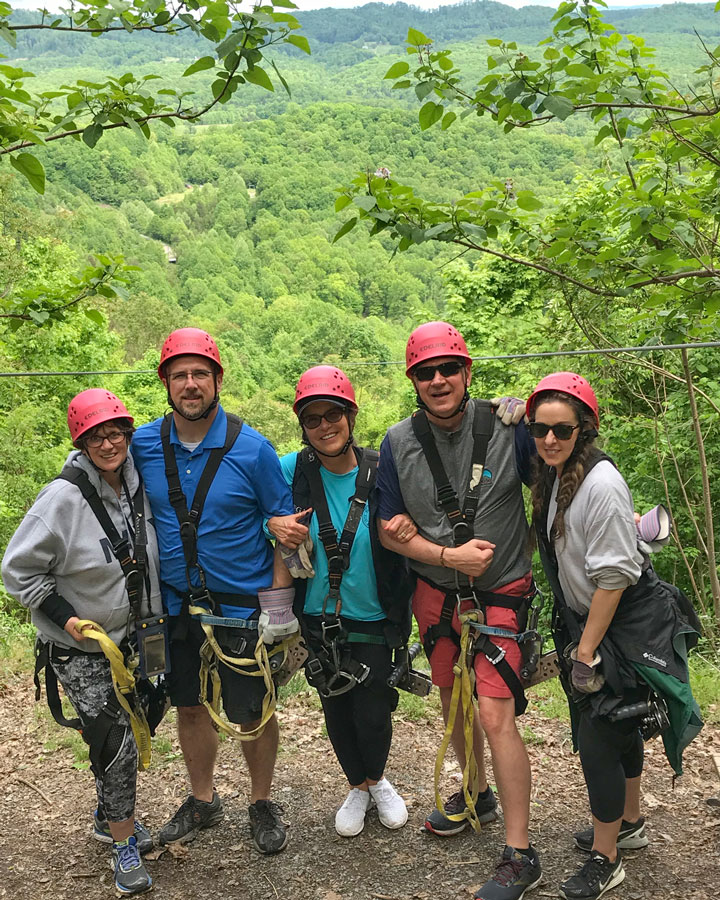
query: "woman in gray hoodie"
60, 564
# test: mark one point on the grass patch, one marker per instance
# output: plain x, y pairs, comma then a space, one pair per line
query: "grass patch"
548, 698
17, 638
705, 682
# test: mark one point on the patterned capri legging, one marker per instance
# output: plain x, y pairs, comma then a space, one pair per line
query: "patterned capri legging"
87, 683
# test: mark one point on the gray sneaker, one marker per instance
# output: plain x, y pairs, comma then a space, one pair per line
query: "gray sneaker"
515, 874
131, 876
632, 836
437, 823
190, 818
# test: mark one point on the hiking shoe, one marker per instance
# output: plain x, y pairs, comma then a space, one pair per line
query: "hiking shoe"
350, 818
190, 818
101, 832
437, 823
515, 874
269, 830
632, 836
391, 808
597, 876
131, 876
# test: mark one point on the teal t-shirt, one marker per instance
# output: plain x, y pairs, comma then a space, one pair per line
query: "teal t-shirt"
359, 587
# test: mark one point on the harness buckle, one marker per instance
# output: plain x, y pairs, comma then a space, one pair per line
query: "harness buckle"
331, 630
498, 654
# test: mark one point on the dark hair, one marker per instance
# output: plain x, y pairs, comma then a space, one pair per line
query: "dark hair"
573, 473
123, 424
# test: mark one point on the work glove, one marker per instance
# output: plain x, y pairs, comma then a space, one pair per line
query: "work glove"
298, 560
586, 679
509, 410
277, 620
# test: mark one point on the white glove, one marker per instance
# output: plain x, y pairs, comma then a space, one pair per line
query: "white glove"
298, 560
510, 410
277, 620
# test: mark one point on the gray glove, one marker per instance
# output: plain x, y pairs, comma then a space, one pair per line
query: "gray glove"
509, 410
277, 620
586, 679
298, 560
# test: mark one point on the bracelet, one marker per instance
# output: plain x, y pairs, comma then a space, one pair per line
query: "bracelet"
442, 557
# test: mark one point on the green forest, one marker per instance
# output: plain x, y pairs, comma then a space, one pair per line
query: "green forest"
147, 216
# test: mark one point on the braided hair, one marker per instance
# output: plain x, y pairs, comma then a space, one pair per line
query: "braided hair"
575, 467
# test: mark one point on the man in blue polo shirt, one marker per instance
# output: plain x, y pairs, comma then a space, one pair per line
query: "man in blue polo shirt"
236, 560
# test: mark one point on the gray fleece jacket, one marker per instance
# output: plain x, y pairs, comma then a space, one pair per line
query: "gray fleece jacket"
60, 557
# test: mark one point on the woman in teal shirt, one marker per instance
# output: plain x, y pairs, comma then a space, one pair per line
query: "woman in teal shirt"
356, 606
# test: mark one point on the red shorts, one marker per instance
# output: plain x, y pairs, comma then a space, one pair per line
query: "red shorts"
427, 605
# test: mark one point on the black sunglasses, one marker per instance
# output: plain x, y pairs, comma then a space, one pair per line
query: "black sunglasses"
446, 369
561, 431
331, 415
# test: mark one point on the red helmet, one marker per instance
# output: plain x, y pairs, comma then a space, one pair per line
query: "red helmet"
431, 340
324, 383
189, 342
93, 407
567, 383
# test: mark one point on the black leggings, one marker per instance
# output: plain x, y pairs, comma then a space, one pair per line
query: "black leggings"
610, 752
359, 722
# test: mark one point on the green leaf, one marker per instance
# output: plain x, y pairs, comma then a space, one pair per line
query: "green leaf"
528, 201
423, 89
200, 65
344, 229
281, 79
259, 76
95, 316
494, 42
342, 201
558, 106
299, 40
417, 38
448, 119
580, 70
31, 167
397, 69
429, 114
92, 134
365, 201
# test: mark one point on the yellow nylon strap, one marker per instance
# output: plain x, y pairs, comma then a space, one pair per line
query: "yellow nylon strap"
210, 653
463, 699
123, 680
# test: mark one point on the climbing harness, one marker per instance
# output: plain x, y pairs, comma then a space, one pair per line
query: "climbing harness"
330, 667
274, 665
475, 634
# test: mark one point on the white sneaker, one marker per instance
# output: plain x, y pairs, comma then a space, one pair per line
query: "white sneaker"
391, 808
350, 818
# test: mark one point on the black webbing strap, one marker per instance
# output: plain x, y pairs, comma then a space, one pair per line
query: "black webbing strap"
52, 694
189, 520
496, 656
338, 550
132, 558
461, 520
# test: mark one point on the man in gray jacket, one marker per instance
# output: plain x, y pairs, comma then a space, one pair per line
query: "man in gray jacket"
489, 566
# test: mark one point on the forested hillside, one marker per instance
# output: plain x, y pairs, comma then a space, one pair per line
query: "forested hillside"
230, 223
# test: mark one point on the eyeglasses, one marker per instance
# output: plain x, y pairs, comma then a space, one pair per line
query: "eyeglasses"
331, 415
446, 369
97, 440
561, 431
198, 375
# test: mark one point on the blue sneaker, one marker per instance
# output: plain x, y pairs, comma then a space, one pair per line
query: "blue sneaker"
101, 832
131, 876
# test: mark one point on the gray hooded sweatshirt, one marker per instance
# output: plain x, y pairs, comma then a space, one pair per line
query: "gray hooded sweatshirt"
60, 549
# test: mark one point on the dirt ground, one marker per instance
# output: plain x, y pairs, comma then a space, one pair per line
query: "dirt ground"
46, 803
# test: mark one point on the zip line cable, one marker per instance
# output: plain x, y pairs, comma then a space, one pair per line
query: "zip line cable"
700, 345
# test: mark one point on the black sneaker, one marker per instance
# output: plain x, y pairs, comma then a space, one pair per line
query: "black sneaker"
101, 832
632, 836
269, 830
437, 823
594, 879
515, 874
190, 818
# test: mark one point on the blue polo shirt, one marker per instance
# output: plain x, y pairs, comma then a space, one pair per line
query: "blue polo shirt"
249, 487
